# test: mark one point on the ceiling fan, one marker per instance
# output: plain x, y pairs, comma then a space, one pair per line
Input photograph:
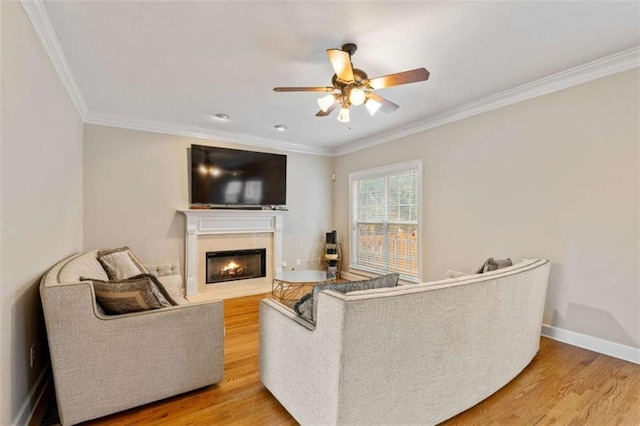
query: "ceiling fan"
352, 86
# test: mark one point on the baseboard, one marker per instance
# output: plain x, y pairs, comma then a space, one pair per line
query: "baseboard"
605, 347
33, 398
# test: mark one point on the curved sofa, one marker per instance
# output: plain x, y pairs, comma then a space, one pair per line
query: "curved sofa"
413, 354
107, 363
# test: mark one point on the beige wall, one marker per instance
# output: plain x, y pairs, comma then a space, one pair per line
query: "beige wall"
553, 177
41, 180
134, 182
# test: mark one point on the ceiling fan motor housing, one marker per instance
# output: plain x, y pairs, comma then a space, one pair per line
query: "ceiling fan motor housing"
358, 77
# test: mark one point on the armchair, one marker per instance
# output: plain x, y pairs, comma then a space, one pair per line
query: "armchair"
108, 363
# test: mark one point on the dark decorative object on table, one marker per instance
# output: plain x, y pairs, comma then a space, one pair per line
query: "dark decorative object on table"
331, 256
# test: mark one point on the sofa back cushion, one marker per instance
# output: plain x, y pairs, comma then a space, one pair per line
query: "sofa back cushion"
83, 265
307, 306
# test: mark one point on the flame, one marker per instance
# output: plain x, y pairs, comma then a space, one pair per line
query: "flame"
231, 266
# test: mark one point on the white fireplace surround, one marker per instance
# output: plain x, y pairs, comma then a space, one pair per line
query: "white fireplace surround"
216, 222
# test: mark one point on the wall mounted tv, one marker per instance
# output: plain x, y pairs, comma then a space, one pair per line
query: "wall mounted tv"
224, 177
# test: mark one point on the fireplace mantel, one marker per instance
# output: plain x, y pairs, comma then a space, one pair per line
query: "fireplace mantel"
211, 222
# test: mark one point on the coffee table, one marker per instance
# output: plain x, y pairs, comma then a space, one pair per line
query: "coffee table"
289, 286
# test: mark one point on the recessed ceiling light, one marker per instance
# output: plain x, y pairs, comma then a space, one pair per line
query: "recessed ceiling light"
280, 127
221, 116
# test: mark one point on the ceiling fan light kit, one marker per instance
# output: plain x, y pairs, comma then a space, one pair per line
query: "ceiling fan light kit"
343, 117
357, 96
325, 102
352, 86
372, 106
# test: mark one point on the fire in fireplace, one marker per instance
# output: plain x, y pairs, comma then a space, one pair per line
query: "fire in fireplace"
235, 265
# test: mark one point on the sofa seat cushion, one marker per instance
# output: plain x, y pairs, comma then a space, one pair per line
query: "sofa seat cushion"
307, 306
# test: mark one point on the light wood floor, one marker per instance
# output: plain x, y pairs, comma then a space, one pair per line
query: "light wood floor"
563, 385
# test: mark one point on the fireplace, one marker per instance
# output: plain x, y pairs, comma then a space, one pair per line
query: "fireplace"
219, 230
234, 265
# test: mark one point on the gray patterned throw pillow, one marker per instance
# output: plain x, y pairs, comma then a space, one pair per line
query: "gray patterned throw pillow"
307, 306
492, 264
139, 293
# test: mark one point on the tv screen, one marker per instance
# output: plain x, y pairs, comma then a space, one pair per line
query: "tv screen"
231, 177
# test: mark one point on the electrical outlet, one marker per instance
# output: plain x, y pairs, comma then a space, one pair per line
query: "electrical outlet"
284, 263
32, 355
298, 262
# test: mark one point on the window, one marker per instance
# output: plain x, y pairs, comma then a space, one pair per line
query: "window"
385, 219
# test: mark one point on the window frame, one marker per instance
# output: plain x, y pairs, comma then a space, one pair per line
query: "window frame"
413, 165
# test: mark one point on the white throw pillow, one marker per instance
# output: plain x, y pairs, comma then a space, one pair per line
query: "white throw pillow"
120, 263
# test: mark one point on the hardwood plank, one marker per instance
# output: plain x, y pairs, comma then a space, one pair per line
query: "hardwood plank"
563, 385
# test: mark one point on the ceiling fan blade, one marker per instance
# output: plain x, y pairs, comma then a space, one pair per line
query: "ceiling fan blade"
303, 89
341, 62
387, 106
413, 76
322, 113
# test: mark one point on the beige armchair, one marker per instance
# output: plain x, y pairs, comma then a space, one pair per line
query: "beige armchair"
103, 364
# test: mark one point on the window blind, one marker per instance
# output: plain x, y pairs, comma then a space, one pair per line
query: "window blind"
385, 214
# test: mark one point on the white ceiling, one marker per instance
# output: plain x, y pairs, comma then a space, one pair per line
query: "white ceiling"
173, 64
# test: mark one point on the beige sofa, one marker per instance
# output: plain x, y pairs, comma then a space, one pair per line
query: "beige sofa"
108, 363
413, 354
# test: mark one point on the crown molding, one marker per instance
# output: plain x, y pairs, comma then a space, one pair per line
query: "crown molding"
609, 65
37, 14
107, 119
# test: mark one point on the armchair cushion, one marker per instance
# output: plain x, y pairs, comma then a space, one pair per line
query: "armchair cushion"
168, 273
173, 285
120, 263
139, 293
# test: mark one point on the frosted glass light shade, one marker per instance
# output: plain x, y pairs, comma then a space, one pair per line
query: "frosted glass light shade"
372, 106
326, 101
343, 117
357, 96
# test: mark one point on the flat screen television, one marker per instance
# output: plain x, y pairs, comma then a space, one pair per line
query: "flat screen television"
224, 177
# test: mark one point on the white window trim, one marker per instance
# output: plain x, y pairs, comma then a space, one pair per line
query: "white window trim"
378, 171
